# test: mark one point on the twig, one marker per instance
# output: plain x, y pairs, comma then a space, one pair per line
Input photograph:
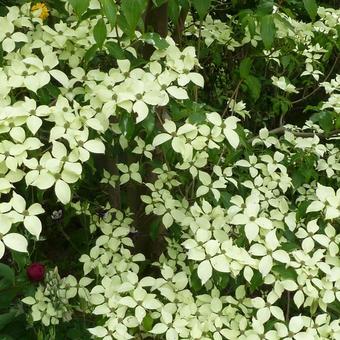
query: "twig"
288, 306
318, 88
234, 95
159, 117
61, 229
281, 130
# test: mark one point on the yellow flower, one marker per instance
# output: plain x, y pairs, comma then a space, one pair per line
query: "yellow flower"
41, 10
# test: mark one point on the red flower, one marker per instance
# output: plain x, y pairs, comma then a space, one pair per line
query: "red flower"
36, 272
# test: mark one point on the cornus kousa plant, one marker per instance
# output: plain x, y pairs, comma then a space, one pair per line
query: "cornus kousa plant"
169, 170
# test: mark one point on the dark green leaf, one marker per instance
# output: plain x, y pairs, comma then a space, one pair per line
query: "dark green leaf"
289, 246
156, 40
254, 87
6, 319
44, 96
91, 13
268, 31
326, 122
123, 24
52, 90
337, 122
221, 280
80, 6
20, 259
195, 281
132, 11
100, 32
127, 125
90, 53
225, 199
174, 10
7, 296
110, 10
265, 7
159, 3
297, 179
149, 123
7, 276
285, 273
311, 8
245, 67
324, 119
251, 25
197, 117
202, 7
154, 228
115, 50
256, 281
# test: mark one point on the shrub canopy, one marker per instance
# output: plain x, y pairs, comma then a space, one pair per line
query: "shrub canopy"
174, 168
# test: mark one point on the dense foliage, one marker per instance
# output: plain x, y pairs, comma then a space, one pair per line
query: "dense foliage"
169, 169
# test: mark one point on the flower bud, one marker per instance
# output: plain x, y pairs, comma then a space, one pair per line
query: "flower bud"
36, 272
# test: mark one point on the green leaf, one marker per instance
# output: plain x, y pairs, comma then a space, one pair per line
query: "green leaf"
324, 119
311, 8
149, 123
289, 246
285, 273
156, 40
7, 276
91, 13
195, 281
265, 7
115, 50
147, 322
132, 11
221, 280
44, 96
159, 3
110, 10
6, 319
154, 228
297, 179
127, 125
20, 259
248, 20
100, 32
174, 10
80, 6
245, 67
254, 87
268, 31
90, 53
256, 281
326, 122
202, 7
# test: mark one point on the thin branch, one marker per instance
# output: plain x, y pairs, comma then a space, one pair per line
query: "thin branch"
234, 95
288, 306
318, 88
281, 130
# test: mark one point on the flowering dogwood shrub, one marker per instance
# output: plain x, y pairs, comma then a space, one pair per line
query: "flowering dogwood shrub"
189, 222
